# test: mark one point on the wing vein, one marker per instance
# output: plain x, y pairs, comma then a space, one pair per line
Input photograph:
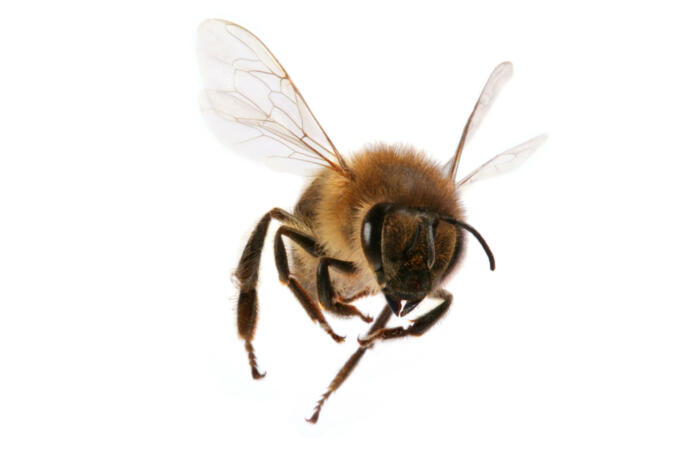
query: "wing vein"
248, 92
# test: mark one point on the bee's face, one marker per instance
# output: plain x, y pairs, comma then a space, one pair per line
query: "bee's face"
410, 254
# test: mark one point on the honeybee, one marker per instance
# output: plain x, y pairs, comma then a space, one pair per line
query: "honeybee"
388, 220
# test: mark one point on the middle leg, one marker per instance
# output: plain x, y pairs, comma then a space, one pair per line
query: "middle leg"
281, 258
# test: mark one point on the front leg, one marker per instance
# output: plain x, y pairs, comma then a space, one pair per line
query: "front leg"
350, 365
418, 327
327, 297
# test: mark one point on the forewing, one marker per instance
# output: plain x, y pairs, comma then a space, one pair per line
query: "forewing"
252, 105
505, 161
498, 78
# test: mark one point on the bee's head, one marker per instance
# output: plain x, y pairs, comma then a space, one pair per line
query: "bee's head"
411, 250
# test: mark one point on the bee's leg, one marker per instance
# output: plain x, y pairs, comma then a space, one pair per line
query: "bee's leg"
418, 327
357, 296
327, 296
341, 307
348, 367
310, 246
247, 275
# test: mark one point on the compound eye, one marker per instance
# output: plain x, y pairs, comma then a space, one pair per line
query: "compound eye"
371, 236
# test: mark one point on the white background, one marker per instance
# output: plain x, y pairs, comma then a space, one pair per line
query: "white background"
122, 217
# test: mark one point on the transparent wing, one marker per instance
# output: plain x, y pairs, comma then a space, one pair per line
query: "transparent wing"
498, 78
252, 105
505, 161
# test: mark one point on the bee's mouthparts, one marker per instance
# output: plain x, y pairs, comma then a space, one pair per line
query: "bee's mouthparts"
394, 304
410, 306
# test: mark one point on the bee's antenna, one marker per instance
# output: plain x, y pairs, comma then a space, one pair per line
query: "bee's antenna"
475, 233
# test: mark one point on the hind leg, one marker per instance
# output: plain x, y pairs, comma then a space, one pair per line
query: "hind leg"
247, 276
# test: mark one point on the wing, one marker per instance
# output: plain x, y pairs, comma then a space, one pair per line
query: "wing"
505, 161
252, 105
498, 78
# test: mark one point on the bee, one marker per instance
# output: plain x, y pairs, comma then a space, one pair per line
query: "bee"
387, 220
